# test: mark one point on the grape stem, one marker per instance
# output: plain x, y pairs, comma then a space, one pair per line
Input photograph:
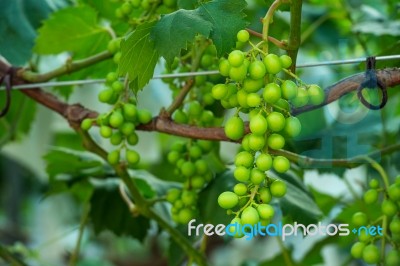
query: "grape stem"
280, 44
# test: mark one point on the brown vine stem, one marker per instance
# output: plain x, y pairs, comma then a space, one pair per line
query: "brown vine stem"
267, 20
273, 40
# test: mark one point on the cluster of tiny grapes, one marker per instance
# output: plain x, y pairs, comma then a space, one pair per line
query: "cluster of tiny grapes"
368, 246
118, 125
253, 87
188, 157
128, 8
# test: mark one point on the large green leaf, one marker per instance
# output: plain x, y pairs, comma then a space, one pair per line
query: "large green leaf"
73, 29
139, 56
174, 31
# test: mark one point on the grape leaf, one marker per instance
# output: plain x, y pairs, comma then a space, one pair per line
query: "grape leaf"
173, 32
139, 56
227, 18
187, 4
73, 29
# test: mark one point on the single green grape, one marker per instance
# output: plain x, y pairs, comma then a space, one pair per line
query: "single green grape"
132, 157
359, 219
240, 189
116, 119
127, 128
371, 254
244, 158
86, 124
289, 90
242, 174
173, 195
271, 93
132, 139
106, 95
276, 121
272, 64
265, 211
286, 61
253, 99
258, 124
316, 94
250, 216
236, 58
188, 197
278, 188
281, 164
144, 116
219, 91
224, 67
265, 195
389, 208
243, 36
257, 70
188, 169
116, 138
371, 196
234, 128
113, 157
292, 126
257, 176
302, 97
357, 250
264, 162
252, 85
228, 200
256, 142
105, 131
276, 141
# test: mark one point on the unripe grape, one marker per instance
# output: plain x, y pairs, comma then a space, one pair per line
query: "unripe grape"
132, 139
289, 90
201, 167
252, 85
272, 93
146, 4
241, 174
371, 254
286, 61
195, 152
207, 117
257, 176
240, 189
185, 215
389, 208
86, 124
173, 194
105, 131
188, 197
195, 109
276, 141
117, 57
276, 121
264, 162
278, 188
257, 70
111, 77
127, 128
144, 116
170, 3
265, 195
374, 183
136, 3
242, 98
243, 36
206, 61
272, 64
253, 100
130, 111
302, 97
205, 145
256, 142
281, 164
198, 182
245, 143
238, 233
224, 67
105, 95
188, 169
173, 157
265, 211
238, 73
113, 157
250, 216
228, 200
392, 258
179, 146
219, 91
234, 128
180, 117
316, 94
395, 225
236, 58
292, 126
394, 192
370, 196
359, 219
116, 138
116, 119
132, 157
245, 159
357, 250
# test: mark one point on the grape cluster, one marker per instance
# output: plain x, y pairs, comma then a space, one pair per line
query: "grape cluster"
130, 8
253, 86
368, 247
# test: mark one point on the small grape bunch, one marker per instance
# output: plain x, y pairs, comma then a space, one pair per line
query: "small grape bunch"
368, 246
253, 87
188, 158
131, 8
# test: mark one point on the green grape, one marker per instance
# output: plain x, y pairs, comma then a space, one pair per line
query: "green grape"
198, 182
272, 64
359, 219
389, 208
127, 128
264, 162
188, 197
265, 211
250, 216
117, 57
289, 90
256, 142
195, 109
146, 4
357, 250
136, 3
301, 98
205, 145
258, 124
276, 141
374, 183
238, 73
116, 119
219, 91
245, 143
286, 61
132, 139
242, 174
278, 188
276, 121
211, 50
179, 146
105, 131
371, 254
116, 138
173, 195
206, 61
395, 225
316, 94
252, 85
253, 100
234, 128
240, 189
224, 67
282, 104
144, 116
113, 46
200, 80
129, 111
257, 70
243, 36
238, 233
132, 157
257, 176
180, 117
195, 152
292, 126
236, 58
242, 98
364, 236
178, 204
245, 159
201, 167
392, 258
228, 200
86, 124
265, 195
272, 93
207, 117
111, 77
188, 169
126, 8
118, 13
173, 157
370, 196
106, 95
281, 164
208, 99
185, 215
394, 192
113, 157
169, 3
